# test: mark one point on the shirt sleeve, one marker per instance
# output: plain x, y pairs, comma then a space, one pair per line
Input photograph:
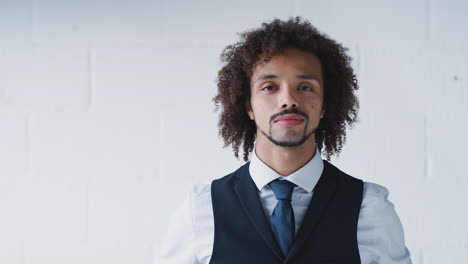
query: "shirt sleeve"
380, 233
177, 245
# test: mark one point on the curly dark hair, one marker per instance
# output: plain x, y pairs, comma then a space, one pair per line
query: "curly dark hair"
340, 103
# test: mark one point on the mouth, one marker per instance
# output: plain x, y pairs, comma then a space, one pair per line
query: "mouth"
289, 120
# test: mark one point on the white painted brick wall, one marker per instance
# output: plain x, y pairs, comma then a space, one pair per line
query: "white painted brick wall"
101, 101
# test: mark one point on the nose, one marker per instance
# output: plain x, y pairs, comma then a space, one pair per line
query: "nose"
288, 99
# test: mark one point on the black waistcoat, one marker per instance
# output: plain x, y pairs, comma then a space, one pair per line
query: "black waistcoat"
327, 233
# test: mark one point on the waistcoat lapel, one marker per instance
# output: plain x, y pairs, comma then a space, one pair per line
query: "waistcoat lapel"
323, 192
247, 194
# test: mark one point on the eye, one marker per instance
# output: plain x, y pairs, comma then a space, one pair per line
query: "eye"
267, 88
305, 88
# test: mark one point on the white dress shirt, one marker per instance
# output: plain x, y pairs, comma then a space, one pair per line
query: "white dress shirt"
189, 237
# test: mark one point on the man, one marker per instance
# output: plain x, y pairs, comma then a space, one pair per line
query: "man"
287, 92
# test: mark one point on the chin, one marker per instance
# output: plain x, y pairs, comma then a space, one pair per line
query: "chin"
289, 136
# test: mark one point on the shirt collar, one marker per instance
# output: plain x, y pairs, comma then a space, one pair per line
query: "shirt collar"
306, 177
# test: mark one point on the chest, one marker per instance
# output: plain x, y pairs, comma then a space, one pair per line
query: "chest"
327, 234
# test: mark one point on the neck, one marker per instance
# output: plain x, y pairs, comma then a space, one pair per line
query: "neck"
284, 160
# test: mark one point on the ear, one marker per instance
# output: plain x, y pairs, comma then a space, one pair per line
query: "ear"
249, 110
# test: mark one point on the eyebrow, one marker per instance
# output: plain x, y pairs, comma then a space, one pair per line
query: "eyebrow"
309, 77
266, 77
301, 76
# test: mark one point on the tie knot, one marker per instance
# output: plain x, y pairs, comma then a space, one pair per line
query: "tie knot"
282, 189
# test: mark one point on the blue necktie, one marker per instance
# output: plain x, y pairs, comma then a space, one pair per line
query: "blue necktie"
282, 219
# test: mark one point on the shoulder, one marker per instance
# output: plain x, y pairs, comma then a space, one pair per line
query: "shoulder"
376, 205
200, 201
375, 195
379, 226
341, 175
376, 208
233, 176
345, 182
201, 193
195, 198
201, 211
200, 190
190, 227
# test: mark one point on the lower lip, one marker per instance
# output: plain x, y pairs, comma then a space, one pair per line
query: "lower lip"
289, 122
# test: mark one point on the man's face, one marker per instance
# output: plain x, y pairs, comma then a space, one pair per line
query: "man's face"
287, 97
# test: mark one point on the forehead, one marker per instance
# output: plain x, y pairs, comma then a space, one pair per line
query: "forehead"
291, 60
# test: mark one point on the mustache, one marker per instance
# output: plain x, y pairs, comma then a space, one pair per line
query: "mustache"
288, 111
